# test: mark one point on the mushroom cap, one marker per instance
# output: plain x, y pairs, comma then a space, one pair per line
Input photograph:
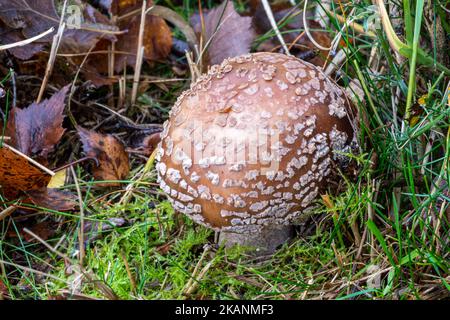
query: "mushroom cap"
252, 142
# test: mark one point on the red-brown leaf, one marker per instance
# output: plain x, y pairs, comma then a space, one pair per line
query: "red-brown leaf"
231, 34
37, 129
110, 153
157, 35
157, 40
43, 230
8, 35
54, 199
150, 142
17, 174
32, 17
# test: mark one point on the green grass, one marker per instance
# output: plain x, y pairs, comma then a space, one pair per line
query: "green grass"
384, 236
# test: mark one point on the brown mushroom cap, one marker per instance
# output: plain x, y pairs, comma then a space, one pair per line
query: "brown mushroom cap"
252, 142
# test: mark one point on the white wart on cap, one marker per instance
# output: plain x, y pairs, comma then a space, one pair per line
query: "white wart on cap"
250, 145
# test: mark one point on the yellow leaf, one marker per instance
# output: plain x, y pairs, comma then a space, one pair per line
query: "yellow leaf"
58, 180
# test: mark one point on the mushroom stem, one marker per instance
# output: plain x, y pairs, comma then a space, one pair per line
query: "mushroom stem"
264, 241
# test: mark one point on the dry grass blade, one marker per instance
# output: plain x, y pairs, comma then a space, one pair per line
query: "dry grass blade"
26, 41
274, 25
139, 54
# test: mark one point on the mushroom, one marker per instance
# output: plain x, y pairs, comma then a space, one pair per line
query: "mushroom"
250, 146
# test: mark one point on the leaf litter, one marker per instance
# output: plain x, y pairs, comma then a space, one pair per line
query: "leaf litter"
68, 127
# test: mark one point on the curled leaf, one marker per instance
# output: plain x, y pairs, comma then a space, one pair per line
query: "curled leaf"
113, 162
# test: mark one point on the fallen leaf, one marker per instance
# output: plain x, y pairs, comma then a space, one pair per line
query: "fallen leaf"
157, 34
32, 18
58, 180
150, 142
43, 230
17, 174
144, 143
157, 41
9, 35
54, 199
37, 129
113, 162
228, 33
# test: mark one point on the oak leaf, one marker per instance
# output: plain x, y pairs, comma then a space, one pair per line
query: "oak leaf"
113, 162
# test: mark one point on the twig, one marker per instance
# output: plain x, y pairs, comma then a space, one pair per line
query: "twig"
193, 67
137, 180
130, 276
72, 87
338, 59
202, 273
51, 60
308, 33
107, 292
174, 18
189, 284
26, 41
37, 164
139, 55
13, 82
32, 271
353, 25
7, 212
31, 233
81, 231
273, 23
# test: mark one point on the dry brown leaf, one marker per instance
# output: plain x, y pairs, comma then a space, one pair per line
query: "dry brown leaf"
37, 129
43, 230
32, 17
231, 35
8, 35
157, 39
54, 199
17, 174
149, 143
157, 34
113, 162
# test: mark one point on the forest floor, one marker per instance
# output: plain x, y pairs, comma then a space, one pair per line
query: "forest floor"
384, 236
